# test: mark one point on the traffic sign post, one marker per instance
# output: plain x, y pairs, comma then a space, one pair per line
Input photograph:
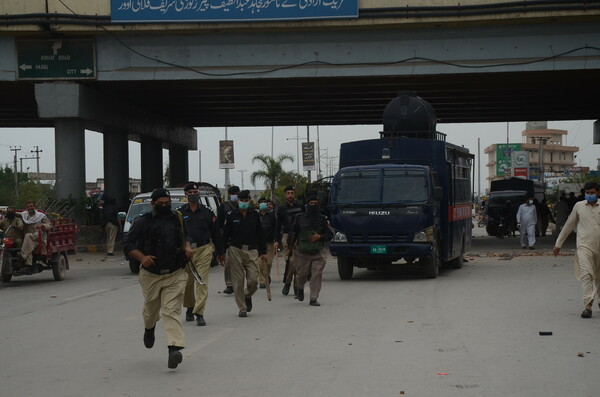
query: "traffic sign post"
56, 59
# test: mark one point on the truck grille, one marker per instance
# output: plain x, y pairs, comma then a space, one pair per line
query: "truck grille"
379, 238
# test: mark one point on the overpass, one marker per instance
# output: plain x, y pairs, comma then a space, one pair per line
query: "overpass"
153, 81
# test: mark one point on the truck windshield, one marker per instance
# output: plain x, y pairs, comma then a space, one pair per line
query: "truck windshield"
141, 208
382, 186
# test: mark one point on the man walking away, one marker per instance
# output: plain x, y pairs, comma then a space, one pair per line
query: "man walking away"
586, 216
526, 222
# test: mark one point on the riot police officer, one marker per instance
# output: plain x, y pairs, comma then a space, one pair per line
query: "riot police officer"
286, 216
224, 210
158, 240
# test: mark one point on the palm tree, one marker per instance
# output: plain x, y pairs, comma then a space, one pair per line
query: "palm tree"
272, 170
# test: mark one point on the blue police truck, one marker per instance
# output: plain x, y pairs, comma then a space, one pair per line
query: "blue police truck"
403, 198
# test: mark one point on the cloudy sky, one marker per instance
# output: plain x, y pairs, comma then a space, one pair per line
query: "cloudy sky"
257, 140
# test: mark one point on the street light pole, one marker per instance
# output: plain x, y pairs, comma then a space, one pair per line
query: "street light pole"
242, 172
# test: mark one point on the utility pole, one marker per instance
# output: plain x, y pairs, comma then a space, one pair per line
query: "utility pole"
242, 172
319, 174
37, 152
478, 167
16, 149
226, 169
308, 140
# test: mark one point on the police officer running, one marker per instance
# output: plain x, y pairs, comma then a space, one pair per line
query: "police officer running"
201, 223
227, 208
158, 240
311, 232
268, 222
245, 242
286, 215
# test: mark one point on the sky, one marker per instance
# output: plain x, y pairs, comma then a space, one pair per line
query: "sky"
250, 141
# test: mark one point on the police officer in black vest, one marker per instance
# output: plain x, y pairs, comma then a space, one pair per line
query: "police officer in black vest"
159, 241
202, 226
224, 210
243, 235
286, 216
268, 222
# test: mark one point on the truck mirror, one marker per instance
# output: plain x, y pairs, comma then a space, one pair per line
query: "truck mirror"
438, 193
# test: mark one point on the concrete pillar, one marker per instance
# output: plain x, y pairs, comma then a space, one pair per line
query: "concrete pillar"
69, 143
178, 167
116, 167
152, 167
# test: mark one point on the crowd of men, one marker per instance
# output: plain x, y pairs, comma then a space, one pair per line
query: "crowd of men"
175, 250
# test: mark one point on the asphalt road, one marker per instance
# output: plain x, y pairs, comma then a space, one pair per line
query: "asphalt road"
470, 332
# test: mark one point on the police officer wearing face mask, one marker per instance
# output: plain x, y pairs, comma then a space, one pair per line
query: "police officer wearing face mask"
286, 215
243, 235
224, 210
202, 226
159, 241
268, 222
310, 232
13, 227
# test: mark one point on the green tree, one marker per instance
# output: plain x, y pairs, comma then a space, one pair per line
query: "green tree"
291, 178
271, 172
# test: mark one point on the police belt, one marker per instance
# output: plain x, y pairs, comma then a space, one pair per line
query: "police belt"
200, 244
161, 271
245, 247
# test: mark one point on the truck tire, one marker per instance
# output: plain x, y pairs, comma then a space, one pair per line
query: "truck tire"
458, 262
431, 266
345, 268
59, 268
134, 266
6, 278
491, 229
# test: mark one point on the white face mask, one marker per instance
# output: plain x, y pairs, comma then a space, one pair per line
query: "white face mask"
530, 202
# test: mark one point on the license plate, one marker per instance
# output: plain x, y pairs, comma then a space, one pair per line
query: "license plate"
379, 249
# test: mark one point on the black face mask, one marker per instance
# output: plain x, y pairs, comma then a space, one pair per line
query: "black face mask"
193, 198
313, 210
162, 209
11, 215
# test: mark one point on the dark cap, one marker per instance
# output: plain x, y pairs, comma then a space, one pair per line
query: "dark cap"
262, 200
160, 192
233, 189
244, 194
311, 197
289, 188
190, 186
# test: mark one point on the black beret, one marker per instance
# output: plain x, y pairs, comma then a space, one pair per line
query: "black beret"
288, 188
190, 186
262, 200
160, 192
233, 189
244, 194
311, 196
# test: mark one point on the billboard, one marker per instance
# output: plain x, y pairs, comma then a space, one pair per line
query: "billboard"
504, 156
308, 156
226, 159
160, 11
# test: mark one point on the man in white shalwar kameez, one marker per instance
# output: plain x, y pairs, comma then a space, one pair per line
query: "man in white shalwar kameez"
526, 221
586, 217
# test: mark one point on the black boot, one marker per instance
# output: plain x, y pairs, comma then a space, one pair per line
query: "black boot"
149, 337
175, 356
300, 294
228, 290
189, 316
286, 288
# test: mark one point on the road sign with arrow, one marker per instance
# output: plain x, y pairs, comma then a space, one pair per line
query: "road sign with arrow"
56, 59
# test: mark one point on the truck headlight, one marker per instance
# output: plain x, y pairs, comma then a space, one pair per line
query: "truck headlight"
424, 236
340, 237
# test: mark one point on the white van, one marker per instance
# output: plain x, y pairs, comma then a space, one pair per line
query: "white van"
209, 196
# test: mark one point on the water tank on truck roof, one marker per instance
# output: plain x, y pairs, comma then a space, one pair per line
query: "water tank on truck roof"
409, 115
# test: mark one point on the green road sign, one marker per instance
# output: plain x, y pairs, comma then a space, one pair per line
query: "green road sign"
56, 59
